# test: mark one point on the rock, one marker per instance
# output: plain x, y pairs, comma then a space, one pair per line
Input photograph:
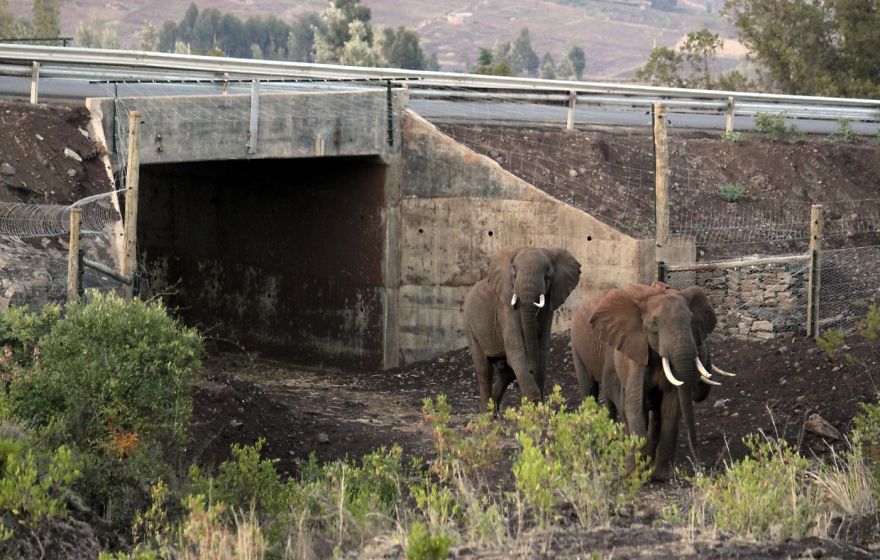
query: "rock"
819, 426
71, 172
40, 138
323, 438
572, 173
236, 423
762, 326
72, 155
6, 169
720, 403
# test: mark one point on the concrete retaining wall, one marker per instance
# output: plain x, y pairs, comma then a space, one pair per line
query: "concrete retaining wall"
457, 209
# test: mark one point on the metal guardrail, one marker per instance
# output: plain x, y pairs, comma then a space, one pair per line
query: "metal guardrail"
104, 64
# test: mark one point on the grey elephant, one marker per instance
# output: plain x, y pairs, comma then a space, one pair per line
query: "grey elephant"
508, 318
643, 350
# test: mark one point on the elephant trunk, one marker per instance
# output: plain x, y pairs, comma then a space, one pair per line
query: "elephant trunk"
530, 293
686, 371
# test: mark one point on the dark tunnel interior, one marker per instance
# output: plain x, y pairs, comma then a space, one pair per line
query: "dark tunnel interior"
282, 257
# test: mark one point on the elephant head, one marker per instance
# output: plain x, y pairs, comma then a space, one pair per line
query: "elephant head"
509, 316
660, 327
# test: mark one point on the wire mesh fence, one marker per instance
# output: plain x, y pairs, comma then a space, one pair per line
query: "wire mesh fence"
849, 288
34, 242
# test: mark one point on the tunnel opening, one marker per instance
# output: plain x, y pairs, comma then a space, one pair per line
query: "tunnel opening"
283, 257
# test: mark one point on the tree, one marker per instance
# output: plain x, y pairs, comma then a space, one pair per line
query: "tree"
699, 50
548, 67
578, 60
566, 70
663, 68
813, 48
330, 41
301, 39
357, 51
521, 56
486, 64
47, 18
149, 37
400, 49
96, 34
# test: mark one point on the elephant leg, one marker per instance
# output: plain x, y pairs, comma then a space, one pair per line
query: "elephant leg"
586, 384
653, 432
668, 419
610, 389
505, 378
484, 371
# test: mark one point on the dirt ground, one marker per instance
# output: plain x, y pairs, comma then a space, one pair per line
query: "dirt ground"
780, 383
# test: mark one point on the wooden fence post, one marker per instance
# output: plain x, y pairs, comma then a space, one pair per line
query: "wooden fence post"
74, 272
35, 82
132, 178
572, 101
815, 269
661, 182
731, 106
254, 130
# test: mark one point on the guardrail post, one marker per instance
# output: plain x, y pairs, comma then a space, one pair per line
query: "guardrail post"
731, 104
815, 269
35, 82
226, 83
572, 101
132, 178
74, 271
255, 117
661, 182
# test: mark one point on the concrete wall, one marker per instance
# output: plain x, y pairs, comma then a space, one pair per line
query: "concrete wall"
217, 127
281, 256
457, 209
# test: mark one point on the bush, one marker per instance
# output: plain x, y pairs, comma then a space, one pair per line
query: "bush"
32, 485
113, 381
773, 124
580, 458
845, 132
424, 545
767, 495
731, 136
731, 192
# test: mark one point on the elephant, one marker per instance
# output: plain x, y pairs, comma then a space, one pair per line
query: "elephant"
642, 350
508, 317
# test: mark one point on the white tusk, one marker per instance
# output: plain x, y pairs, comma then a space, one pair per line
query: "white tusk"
720, 371
708, 381
668, 371
702, 369
540, 303
513, 301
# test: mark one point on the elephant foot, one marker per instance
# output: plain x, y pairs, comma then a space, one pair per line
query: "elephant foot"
662, 474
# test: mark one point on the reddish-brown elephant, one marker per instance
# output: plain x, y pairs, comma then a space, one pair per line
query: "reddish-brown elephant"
643, 350
508, 317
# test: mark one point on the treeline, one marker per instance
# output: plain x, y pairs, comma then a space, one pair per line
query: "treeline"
341, 34
797, 47
513, 58
45, 21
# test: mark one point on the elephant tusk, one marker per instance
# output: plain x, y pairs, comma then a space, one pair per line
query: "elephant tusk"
513, 301
720, 371
540, 303
668, 371
708, 381
702, 369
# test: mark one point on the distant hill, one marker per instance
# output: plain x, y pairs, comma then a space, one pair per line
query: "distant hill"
616, 35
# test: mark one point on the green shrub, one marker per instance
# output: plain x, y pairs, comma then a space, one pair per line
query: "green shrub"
869, 329
845, 132
114, 382
344, 502
422, 544
732, 192
831, 341
32, 485
731, 136
581, 458
773, 124
767, 495
248, 483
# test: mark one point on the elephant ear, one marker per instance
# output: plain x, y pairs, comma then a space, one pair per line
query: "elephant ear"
566, 275
499, 274
704, 320
618, 322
